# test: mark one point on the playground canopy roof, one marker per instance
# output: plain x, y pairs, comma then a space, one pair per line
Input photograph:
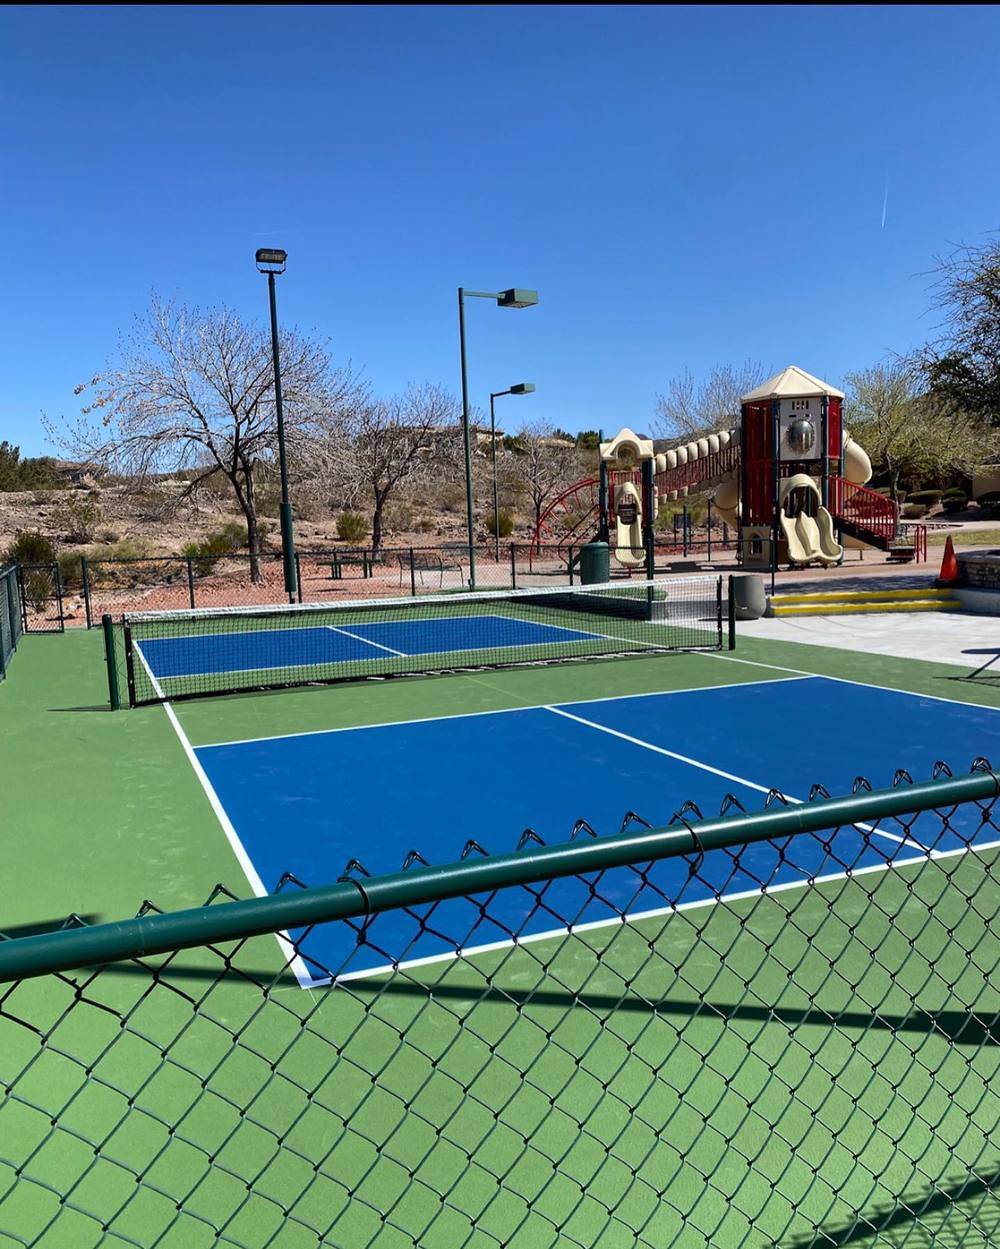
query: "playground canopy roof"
792, 383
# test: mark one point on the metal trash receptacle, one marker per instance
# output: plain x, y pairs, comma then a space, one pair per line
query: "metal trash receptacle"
595, 563
749, 598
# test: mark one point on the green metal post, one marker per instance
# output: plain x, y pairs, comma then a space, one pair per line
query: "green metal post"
467, 438
496, 496
114, 695
85, 577
731, 600
287, 536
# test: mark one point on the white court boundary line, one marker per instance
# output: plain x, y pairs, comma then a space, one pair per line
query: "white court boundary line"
865, 685
291, 956
656, 913
728, 776
497, 711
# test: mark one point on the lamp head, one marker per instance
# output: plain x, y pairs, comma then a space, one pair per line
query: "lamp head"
517, 298
271, 259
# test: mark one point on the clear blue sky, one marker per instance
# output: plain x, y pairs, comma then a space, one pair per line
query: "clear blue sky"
682, 185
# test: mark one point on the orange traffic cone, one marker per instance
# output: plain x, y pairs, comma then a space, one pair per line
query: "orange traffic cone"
949, 565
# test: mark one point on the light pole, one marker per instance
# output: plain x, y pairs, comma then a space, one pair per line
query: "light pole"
513, 298
271, 260
519, 388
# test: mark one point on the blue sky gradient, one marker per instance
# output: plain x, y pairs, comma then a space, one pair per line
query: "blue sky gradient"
684, 186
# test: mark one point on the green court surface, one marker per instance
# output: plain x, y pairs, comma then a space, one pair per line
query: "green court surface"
810, 1066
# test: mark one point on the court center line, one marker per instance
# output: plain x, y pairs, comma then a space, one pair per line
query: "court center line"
288, 951
728, 776
367, 641
496, 711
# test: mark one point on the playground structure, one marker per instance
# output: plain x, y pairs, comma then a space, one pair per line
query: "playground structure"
788, 479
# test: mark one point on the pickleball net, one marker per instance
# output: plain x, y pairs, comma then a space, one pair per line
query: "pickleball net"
189, 654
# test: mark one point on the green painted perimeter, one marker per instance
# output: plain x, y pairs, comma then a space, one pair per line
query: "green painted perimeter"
695, 1111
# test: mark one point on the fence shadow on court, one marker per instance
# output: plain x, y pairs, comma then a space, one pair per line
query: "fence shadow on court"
958, 1027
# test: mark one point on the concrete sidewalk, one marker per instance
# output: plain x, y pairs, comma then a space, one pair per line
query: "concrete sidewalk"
958, 638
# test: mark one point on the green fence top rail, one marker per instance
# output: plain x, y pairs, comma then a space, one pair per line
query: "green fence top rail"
350, 898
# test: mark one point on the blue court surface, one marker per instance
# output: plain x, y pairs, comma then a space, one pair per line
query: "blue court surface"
310, 802
258, 650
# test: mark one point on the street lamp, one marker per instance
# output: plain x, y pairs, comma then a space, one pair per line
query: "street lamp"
513, 298
271, 260
520, 388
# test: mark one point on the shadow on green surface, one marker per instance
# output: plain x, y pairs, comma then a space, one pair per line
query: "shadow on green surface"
959, 1027
42, 926
920, 1214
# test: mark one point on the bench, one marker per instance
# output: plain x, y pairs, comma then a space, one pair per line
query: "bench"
363, 559
439, 561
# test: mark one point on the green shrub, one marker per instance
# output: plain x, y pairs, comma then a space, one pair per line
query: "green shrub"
928, 497
913, 511
399, 517
500, 525
954, 491
215, 546
77, 516
990, 502
30, 548
352, 527
952, 503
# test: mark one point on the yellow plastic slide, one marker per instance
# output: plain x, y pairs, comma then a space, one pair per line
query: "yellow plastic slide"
628, 548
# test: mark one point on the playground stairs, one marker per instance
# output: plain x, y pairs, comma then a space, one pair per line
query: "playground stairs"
856, 602
865, 533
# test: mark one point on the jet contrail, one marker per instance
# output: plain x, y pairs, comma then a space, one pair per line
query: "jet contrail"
885, 202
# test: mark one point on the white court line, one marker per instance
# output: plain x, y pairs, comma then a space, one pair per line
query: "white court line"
657, 913
729, 776
495, 711
865, 685
246, 863
367, 641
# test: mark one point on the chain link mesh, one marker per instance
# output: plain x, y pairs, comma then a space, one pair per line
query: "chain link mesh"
809, 1062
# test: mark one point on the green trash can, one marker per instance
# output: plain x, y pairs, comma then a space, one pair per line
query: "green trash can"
595, 563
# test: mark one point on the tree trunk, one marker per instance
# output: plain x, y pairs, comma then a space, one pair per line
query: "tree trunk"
377, 526
246, 496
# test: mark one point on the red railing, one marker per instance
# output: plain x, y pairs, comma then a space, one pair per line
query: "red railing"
864, 508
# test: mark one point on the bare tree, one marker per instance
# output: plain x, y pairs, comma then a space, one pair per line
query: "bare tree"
387, 442
544, 463
906, 431
962, 367
689, 408
194, 389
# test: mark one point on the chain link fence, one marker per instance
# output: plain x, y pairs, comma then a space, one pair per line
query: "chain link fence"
795, 1042
11, 619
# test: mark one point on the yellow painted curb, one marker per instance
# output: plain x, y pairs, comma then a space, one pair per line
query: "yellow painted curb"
856, 608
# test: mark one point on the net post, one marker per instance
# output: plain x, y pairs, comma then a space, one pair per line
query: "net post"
570, 557
114, 694
85, 577
731, 602
513, 566
190, 577
413, 575
709, 528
